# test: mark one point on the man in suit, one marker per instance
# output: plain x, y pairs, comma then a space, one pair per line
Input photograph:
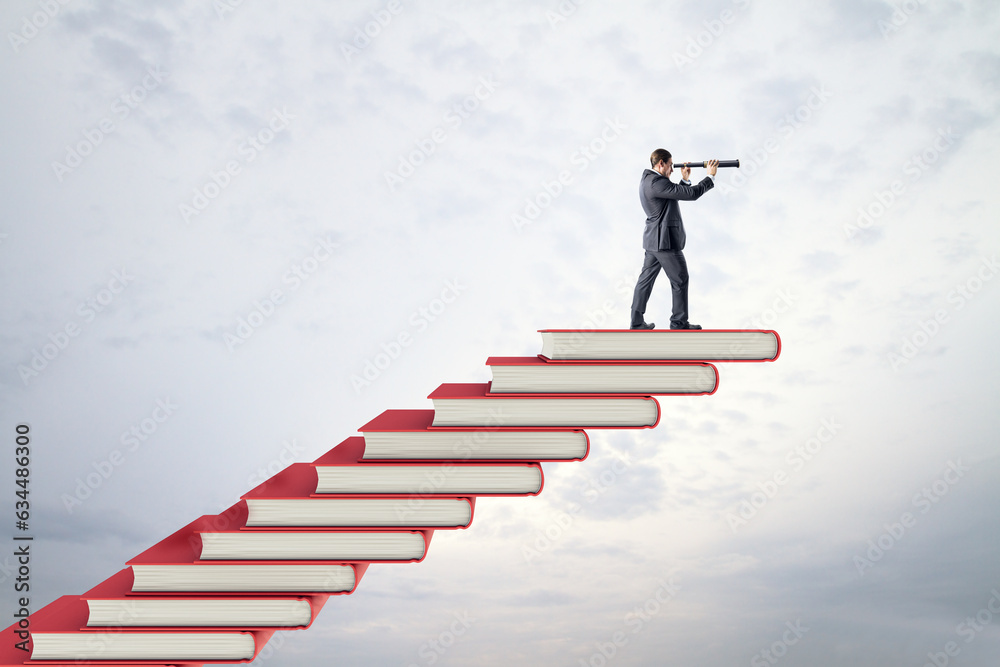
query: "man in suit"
663, 239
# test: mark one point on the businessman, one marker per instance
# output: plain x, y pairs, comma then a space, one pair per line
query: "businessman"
663, 239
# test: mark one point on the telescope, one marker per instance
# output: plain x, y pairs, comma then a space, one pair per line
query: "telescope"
722, 163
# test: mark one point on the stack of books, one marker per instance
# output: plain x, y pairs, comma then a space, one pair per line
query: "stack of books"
217, 589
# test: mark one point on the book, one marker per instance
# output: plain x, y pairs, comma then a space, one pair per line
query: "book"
368, 545
230, 578
411, 434
59, 632
173, 565
200, 612
472, 404
288, 500
434, 513
529, 375
661, 344
341, 471
112, 604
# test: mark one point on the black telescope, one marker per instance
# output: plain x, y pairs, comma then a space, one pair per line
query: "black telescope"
722, 163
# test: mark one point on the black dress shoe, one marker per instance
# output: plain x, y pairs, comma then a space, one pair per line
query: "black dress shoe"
644, 325
686, 326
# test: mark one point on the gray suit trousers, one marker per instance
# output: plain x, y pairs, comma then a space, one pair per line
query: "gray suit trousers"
675, 266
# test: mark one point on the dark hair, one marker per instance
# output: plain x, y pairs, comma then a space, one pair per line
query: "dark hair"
659, 154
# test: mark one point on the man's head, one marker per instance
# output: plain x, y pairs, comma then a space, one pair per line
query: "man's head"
661, 161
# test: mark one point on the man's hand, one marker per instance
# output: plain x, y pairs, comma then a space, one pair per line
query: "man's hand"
685, 173
713, 166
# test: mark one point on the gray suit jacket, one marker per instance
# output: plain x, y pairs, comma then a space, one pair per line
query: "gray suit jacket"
659, 197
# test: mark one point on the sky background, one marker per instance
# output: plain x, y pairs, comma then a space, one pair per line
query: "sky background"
168, 168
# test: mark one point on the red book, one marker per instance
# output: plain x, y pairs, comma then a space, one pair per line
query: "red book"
660, 344
174, 566
341, 472
411, 434
539, 375
381, 545
289, 500
473, 404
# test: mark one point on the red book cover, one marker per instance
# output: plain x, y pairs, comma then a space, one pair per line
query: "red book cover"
409, 421
349, 452
539, 360
298, 482
662, 332
119, 587
68, 615
481, 391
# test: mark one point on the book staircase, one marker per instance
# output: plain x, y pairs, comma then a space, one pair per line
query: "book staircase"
217, 589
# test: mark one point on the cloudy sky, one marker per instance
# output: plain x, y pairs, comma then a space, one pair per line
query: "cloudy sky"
217, 217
